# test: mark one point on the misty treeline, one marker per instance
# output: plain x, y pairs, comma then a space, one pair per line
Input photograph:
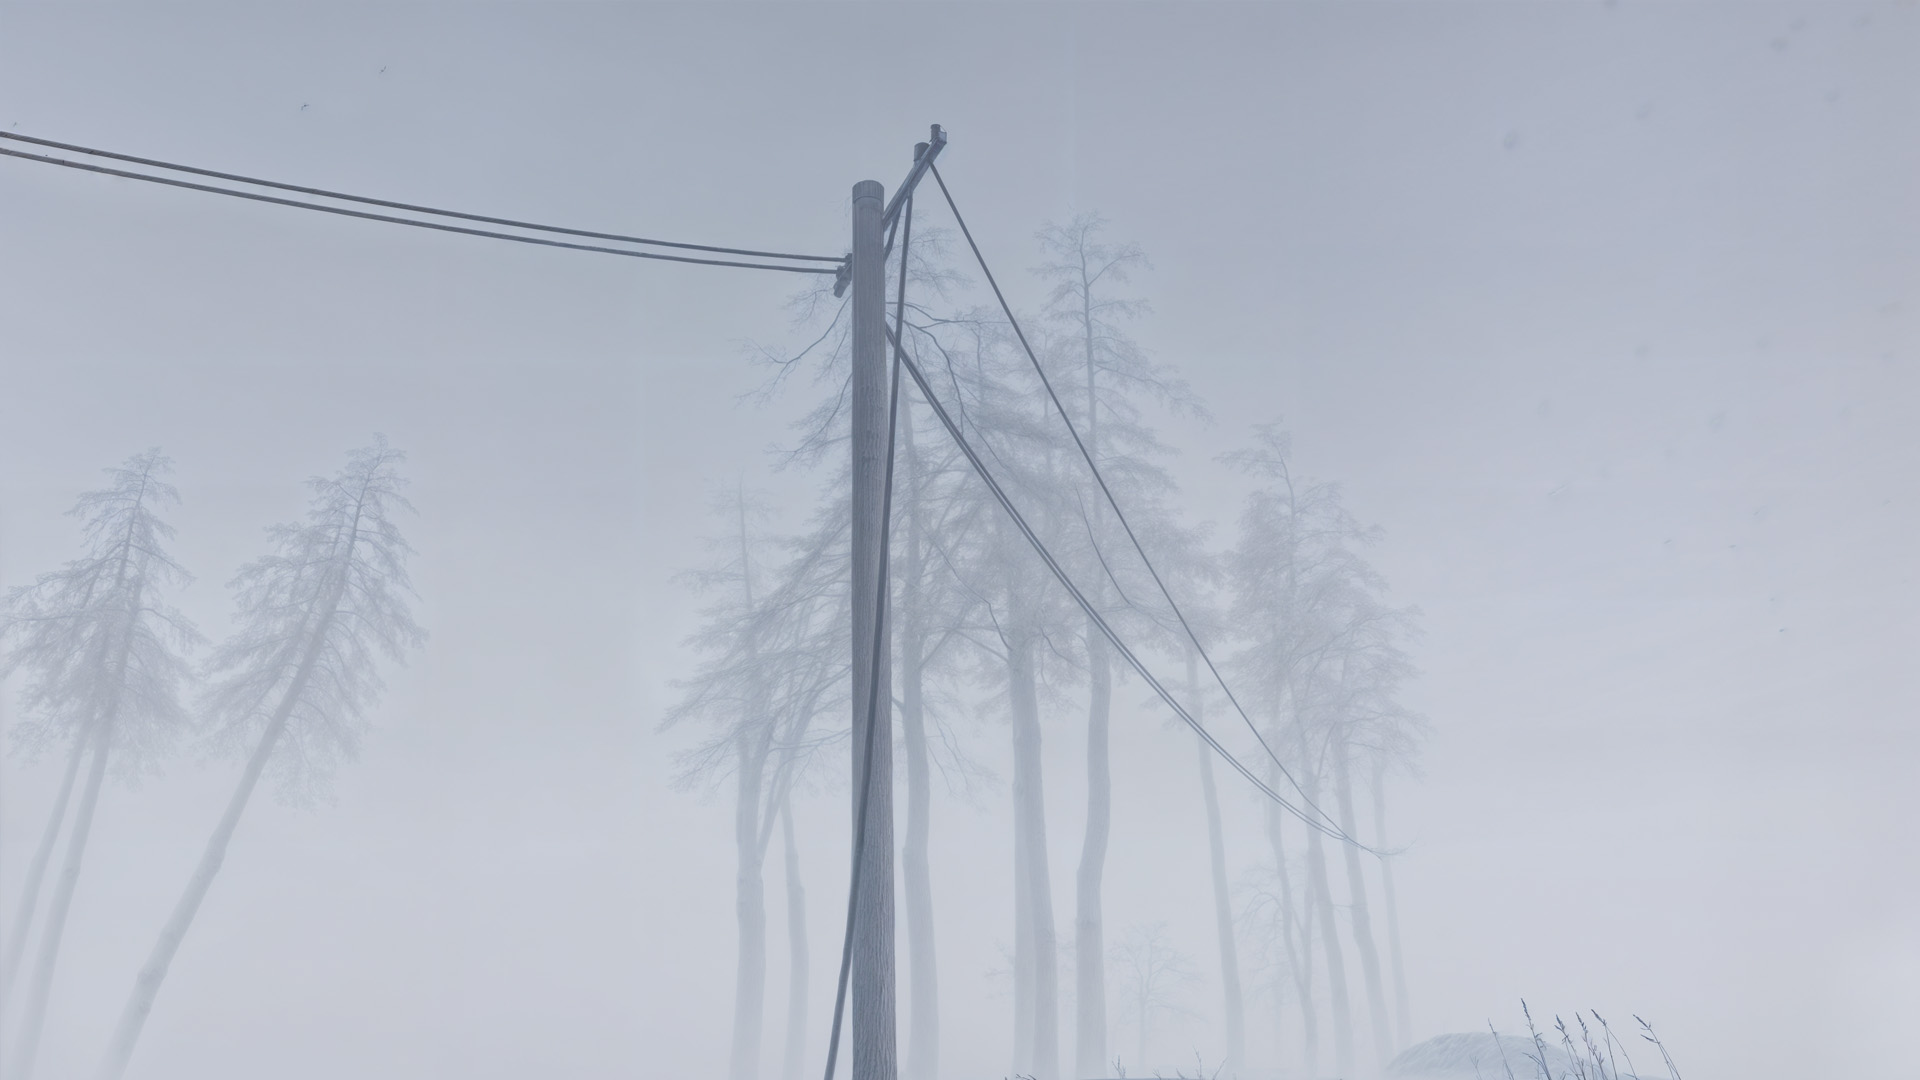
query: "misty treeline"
109, 685
1287, 607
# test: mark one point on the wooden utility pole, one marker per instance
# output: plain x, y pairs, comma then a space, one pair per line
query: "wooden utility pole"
871, 969
873, 1048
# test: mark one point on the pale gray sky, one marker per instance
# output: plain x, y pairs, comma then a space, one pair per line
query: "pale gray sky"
1605, 312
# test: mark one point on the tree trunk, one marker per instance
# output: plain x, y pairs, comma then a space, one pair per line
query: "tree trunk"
797, 972
30, 892
1294, 927
923, 1027
1024, 1009
1404, 1013
40, 990
101, 732
1090, 956
36, 871
923, 1022
1321, 898
750, 912
1233, 1009
1336, 961
1307, 913
749, 885
1362, 919
1034, 891
1145, 1018
1090, 946
146, 985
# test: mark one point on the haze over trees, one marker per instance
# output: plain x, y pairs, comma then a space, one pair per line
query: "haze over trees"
774, 666
1154, 978
99, 647
1291, 653
1292, 615
315, 615
1605, 311
1291, 662
101, 650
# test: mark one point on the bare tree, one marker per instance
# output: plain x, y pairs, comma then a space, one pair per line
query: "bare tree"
1360, 911
1034, 637
1019, 641
1294, 575
1349, 623
1353, 699
1403, 1010
1002, 605
1035, 939
29, 906
1296, 921
291, 685
798, 967
1322, 697
940, 513
101, 650
773, 664
1340, 664
1154, 979
1283, 928
1321, 896
1369, 724
1107, 377
912, 638
1233, 1004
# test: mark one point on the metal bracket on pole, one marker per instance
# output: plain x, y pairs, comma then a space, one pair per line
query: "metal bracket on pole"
935, 141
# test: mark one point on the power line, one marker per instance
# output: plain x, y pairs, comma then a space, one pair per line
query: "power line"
391, 205
414, 222
1326, 828
1122, 517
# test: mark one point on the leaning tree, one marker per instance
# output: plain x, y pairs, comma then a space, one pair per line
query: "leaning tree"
1292, 575
291, 685
773, 661
100, 649
1349, 698
1105, 381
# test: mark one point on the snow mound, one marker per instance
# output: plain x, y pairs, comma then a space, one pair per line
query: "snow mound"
1462, 1055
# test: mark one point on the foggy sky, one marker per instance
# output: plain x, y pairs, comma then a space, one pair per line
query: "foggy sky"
1605, 312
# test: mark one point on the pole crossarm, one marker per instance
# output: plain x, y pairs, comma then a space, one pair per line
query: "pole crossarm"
936, 140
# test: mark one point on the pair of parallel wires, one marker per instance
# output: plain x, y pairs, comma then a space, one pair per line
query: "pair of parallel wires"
419, 217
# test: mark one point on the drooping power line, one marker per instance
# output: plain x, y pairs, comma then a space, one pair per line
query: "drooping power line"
1333, 828
1326, 827
277, 185
435, 225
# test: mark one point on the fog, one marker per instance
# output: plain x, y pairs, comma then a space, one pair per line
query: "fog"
1602, 313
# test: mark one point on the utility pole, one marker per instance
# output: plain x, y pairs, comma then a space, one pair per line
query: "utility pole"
874, 1048
874, 1043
